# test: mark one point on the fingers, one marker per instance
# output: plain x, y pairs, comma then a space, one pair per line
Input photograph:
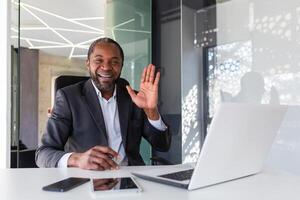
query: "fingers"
131, 92
150, 73
104, 184
143, 79
106, 150
106, 164
94, 166
102, 156
96, 158
157, 78
101, 181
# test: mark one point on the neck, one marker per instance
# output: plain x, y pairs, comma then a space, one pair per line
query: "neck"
107, 94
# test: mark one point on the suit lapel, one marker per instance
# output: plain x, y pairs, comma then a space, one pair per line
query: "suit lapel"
123, 102
94, 107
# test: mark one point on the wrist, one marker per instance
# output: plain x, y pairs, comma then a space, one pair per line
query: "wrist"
73, 160
152, 114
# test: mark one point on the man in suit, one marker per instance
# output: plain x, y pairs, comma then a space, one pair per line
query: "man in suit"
96, 122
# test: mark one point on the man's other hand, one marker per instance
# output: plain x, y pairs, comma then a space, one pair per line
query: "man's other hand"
96, 158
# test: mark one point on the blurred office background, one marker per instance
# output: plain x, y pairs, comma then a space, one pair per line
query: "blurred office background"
208, 52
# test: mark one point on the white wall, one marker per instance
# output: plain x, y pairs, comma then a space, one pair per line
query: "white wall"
4, 84
273, 27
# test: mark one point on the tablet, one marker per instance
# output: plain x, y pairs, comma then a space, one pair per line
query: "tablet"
101, 187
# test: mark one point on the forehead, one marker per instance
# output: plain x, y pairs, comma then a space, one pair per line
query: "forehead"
106, 49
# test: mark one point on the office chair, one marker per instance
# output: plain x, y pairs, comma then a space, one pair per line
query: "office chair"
65, 80
26, 156
172, 156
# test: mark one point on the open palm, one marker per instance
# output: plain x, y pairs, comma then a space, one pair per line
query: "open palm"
147, 97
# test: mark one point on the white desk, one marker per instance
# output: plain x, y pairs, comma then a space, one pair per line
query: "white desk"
23, 184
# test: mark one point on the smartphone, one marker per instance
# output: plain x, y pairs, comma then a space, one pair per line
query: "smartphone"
66, 184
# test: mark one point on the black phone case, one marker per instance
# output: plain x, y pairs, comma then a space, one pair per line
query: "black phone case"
66, 184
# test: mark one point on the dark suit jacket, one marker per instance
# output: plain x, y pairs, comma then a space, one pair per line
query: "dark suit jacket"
77, 125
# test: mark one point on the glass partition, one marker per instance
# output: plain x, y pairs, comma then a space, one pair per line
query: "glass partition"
52, 39
129, 23
198, 31
248, 50
15, 89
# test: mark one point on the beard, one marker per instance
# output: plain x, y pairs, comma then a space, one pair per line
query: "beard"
103, 87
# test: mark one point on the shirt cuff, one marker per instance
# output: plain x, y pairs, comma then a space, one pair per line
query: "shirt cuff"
158, 124
63, 161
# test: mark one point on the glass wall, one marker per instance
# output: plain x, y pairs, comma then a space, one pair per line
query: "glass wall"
15, 89
129, 23
248, 50
53, 41
5, 62
198, 31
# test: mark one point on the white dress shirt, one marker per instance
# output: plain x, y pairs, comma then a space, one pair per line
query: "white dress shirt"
112, 125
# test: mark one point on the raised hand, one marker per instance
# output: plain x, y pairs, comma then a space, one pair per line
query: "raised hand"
147, 97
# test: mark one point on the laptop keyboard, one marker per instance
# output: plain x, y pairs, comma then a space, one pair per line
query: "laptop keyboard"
179, 176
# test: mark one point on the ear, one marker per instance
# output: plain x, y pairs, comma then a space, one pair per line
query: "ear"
87, 63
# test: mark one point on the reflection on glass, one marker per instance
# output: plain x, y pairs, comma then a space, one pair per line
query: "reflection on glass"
253, 57
272, 28
226, 65
190, 129
104, 184
231, 78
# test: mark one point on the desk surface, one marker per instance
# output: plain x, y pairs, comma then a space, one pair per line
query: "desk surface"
16, 184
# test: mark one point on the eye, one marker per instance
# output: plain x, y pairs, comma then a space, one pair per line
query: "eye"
98, 61
115, 62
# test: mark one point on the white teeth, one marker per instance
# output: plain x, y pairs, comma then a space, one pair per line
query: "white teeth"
104, 75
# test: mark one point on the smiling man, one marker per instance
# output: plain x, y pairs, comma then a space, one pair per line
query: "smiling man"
99, 123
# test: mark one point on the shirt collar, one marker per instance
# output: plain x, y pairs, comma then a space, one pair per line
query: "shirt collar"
99, 94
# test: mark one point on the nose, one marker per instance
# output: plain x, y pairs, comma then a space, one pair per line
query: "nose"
106, 66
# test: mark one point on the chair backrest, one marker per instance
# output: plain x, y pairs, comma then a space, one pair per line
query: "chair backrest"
66, 80
26, 158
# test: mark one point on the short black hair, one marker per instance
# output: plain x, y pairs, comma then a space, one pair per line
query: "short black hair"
105, 40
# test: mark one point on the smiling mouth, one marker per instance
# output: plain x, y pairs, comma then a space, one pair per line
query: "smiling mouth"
104, 75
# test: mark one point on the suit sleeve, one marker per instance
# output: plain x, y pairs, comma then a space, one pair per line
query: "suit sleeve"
58, 129
159, 140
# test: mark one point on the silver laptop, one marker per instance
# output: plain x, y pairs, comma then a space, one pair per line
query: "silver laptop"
238, 141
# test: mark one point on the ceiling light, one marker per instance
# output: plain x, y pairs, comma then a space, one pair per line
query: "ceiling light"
38, 40
79, 56
132, 30
71, 53
86, 18
57, 47
63, 18
30, 44
68, 41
